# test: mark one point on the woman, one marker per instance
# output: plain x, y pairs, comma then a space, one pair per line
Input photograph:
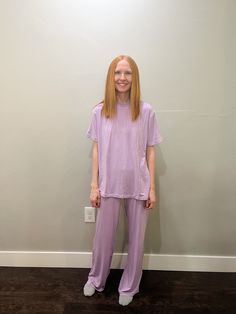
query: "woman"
124, 131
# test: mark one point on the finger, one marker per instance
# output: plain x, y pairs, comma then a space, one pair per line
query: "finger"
152, 205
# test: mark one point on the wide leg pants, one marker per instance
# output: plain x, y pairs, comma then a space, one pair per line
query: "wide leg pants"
104, 240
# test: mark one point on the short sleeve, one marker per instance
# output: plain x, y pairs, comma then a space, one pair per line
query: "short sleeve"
154, 136
92, 132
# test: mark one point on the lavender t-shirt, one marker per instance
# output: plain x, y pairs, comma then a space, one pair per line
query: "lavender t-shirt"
122, 145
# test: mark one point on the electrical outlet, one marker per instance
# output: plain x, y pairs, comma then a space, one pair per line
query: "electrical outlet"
89, 214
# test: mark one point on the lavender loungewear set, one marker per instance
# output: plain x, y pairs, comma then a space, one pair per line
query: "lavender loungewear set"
123, 174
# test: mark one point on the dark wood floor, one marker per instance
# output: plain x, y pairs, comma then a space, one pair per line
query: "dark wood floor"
60, 291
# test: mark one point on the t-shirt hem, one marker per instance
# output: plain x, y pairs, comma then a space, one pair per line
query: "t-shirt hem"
140, 197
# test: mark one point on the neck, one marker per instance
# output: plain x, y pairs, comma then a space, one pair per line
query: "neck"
123, 98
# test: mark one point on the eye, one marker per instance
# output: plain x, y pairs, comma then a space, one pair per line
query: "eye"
117, 72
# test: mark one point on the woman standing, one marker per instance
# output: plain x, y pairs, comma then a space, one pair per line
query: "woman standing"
124, 131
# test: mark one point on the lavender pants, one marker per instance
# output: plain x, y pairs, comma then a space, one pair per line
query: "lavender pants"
104, 239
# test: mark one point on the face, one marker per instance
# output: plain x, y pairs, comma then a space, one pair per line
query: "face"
123, 77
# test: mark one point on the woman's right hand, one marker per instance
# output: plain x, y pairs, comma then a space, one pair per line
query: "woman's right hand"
95, 197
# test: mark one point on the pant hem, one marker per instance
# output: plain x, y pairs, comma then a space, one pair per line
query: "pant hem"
130, 294
97, 289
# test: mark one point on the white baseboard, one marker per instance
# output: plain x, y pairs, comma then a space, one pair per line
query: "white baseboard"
150, 262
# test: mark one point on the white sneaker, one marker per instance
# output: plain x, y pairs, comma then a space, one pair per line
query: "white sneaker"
89, 290
125, 299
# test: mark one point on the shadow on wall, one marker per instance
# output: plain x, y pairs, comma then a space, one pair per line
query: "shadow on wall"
153, 232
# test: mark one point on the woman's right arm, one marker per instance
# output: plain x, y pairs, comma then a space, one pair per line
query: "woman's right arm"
95, 197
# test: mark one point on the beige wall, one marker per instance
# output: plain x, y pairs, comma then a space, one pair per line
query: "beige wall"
53, 60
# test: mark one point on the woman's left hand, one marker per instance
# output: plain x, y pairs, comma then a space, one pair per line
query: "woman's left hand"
150, 203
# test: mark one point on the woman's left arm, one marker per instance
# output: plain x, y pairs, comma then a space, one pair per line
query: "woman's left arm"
150, 203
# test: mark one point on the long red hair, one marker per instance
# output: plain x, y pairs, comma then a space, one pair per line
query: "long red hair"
110, 99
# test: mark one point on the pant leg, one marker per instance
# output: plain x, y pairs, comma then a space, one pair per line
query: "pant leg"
104, 240
137, 216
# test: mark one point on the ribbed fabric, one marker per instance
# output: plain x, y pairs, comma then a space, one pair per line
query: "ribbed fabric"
122, 144
104, 239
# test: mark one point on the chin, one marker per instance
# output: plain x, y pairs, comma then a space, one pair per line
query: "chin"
122, 90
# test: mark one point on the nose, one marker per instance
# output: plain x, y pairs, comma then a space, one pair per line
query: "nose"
122, 76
